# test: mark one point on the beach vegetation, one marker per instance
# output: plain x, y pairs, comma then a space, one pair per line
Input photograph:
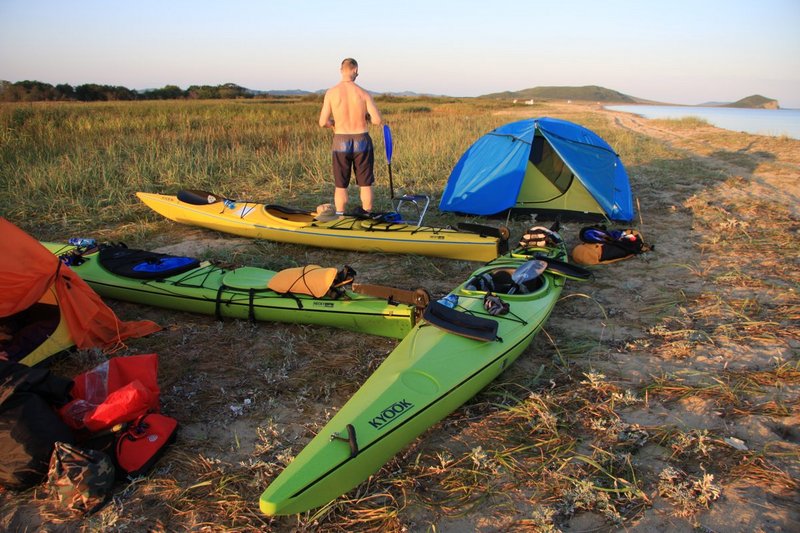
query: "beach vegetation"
664, 393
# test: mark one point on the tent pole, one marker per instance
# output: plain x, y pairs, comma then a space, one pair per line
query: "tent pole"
641, 222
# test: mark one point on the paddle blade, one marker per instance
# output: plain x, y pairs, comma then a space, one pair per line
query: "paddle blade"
568, 270
387, 142
458, 323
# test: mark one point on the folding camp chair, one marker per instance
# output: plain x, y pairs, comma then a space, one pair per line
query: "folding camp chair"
419, 202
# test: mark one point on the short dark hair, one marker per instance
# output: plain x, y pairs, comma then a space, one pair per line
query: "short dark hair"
350, 63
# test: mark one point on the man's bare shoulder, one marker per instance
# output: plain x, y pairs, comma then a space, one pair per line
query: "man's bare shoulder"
362, 92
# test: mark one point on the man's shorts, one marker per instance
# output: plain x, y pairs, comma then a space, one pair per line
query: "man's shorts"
353, 152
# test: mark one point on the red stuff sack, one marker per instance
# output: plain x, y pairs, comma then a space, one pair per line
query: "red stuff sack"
95, 385
141, 445
123, 405
119, 390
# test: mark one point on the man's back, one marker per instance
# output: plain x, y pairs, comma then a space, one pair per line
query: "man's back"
350, 105
349, 108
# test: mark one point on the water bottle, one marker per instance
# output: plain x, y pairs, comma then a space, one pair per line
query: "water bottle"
451, 300
230, 204
80, 242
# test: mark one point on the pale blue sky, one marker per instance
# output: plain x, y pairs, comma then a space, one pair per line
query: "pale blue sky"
680, 51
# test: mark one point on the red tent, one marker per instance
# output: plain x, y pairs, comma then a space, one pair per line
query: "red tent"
30, 275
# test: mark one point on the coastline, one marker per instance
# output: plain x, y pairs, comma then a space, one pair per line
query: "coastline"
772, 122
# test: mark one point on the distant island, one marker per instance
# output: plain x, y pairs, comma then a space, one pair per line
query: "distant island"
755, 102
32, 91
594, 93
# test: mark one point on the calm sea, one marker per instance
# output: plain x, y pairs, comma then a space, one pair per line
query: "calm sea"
759, 121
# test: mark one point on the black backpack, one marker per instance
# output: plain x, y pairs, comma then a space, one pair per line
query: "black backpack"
29, 425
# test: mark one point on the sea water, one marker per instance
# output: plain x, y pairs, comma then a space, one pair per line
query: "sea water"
759, 121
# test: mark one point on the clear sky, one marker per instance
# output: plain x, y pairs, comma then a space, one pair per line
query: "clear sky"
679, 51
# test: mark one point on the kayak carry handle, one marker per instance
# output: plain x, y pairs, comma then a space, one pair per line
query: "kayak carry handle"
351, 438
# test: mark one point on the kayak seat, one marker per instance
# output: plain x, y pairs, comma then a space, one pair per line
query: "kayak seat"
142, 264
500, 281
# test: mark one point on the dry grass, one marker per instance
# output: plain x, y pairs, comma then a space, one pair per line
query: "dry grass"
654, 389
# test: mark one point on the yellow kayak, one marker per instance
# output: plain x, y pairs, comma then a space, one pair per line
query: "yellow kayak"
287, 224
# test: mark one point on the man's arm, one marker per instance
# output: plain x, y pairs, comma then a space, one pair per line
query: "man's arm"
372, 111
325, 119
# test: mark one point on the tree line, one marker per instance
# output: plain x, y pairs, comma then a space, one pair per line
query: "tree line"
35, 91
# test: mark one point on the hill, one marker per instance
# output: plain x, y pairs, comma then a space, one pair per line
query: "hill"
300, 92
588, 93
279, 92
755, 101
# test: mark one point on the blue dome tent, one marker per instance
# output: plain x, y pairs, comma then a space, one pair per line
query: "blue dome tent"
543, 165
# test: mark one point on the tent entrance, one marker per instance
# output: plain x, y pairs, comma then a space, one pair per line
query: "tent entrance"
546, 161
551, 187
23, 333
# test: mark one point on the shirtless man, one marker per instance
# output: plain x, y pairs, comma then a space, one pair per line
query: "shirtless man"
346, 109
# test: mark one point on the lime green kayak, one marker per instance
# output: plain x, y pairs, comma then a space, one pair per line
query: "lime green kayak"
203, 287
446, 359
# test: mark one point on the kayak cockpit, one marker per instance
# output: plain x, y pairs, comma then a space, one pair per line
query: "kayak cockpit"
289, 215
523, 280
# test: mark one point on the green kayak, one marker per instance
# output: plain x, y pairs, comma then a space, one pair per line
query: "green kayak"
446, 359
186, 284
